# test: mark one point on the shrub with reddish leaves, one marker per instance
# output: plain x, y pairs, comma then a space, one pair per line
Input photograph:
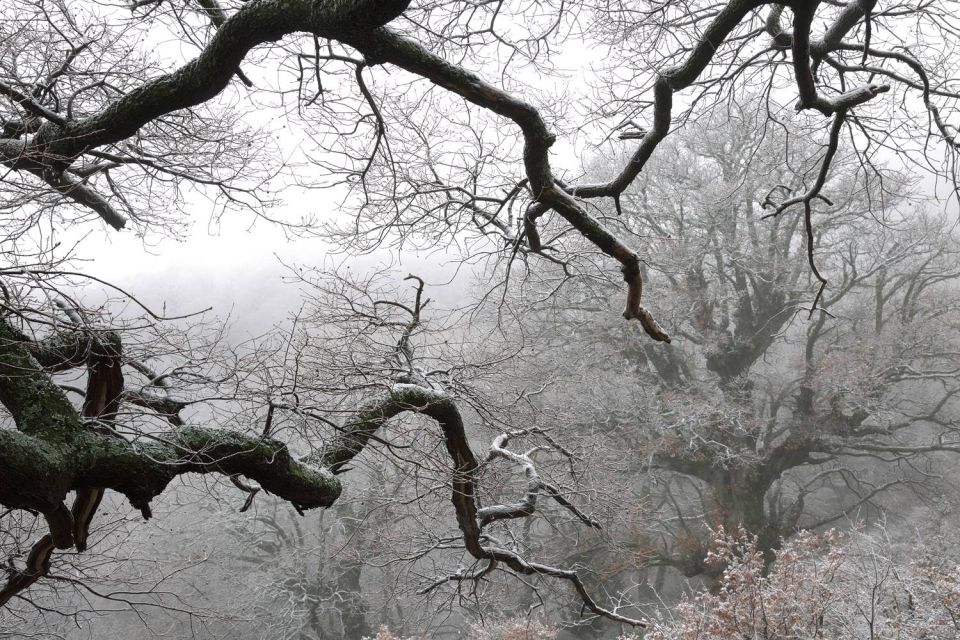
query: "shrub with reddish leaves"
821, 586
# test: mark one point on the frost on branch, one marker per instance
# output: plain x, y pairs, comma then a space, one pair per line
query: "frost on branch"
821, 586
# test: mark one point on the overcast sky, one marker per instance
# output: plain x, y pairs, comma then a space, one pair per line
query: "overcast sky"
239, 270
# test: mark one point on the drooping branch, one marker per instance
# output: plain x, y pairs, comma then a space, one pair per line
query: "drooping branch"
56, 146
53, 452
56, 449
382, 45
360, 24
438, 405
142, 471
209, 73
58, 143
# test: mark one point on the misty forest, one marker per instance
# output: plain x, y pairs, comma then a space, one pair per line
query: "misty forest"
485, 319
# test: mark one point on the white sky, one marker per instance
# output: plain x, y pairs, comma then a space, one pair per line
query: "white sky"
239, 271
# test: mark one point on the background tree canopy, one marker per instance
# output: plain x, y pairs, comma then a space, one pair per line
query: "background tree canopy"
766, 190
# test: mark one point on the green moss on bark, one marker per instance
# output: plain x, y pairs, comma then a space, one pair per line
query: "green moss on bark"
37, 405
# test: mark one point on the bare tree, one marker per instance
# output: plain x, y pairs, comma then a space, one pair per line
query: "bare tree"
762, 418
83, 133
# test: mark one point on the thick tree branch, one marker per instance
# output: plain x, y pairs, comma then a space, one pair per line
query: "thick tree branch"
53, 451
382, 45
442, 408
359, 23
809, 97
56, 146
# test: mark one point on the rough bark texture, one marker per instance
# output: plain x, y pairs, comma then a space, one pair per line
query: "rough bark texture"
53, 451
56, 449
